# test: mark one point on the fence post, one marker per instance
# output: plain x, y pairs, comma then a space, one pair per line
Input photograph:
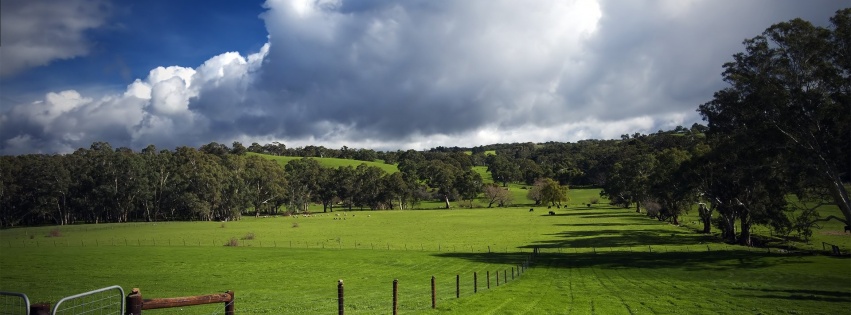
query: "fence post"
133, 302
229, 306
457, 286
489, 278
512, 272
40, 309
340, 297
497, 278
395, 296
475, 282
433, 299
504, 276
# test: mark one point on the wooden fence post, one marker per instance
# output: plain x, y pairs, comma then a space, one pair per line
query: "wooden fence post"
395, 296
133, 302
40, 309
475, 283
457, 286
229, 306
489, 278
433, 298
497, 278
340, 303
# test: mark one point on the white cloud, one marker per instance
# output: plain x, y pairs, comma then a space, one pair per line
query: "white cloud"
424, 73
34, 33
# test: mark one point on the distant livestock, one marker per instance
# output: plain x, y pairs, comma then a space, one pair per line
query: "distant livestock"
552, 213
531, 210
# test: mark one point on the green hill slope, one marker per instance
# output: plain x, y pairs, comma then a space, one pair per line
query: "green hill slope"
331, 162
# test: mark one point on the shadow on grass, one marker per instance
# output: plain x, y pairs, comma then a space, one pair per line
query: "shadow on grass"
795, 294
608, 224
698, 261
584, 213
620, 238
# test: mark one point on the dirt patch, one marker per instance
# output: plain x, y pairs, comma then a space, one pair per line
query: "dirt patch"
835, 233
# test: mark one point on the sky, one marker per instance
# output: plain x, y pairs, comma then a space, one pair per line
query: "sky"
376, 74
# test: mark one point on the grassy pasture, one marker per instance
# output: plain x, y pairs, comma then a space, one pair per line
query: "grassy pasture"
597, 260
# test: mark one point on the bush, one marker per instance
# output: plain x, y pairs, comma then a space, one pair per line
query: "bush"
233, 242
249, 236
222, 226
55, 233
594, 201
295, 224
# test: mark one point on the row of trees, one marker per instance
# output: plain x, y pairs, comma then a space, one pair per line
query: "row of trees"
101, 184
214, 182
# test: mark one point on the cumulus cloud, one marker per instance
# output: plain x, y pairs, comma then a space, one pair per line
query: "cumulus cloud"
34, 33
424, 73
156, 110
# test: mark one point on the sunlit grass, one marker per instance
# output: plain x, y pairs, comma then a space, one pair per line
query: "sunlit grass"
597, 259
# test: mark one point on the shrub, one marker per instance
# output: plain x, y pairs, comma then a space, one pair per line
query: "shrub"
55, 233
222, 226
232, 242
249, 236
594, 201
295, 224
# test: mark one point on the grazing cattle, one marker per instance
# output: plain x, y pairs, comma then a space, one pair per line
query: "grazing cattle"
552, 213
588, 204
531, 210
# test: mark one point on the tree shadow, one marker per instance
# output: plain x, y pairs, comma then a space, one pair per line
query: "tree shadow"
606, 224
697, 261
619, 238
801, 295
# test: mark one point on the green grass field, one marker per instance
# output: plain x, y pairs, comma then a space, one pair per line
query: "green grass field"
598, 260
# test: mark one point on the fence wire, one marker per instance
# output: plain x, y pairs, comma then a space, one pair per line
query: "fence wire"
12, 303
109, 300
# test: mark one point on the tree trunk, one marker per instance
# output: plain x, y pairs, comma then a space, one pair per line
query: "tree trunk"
637, 207
706, 217
840, 197
745, 236
446, 198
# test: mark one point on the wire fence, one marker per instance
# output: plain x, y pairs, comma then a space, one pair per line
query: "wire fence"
13, 303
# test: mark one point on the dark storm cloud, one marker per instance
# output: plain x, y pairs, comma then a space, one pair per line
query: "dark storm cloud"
418, 74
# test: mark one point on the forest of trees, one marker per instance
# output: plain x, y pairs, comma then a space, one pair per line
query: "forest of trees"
782, 128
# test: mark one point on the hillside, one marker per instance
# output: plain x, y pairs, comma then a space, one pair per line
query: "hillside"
330, 162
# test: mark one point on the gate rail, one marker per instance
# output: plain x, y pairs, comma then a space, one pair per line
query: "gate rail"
135, 303
9, 308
